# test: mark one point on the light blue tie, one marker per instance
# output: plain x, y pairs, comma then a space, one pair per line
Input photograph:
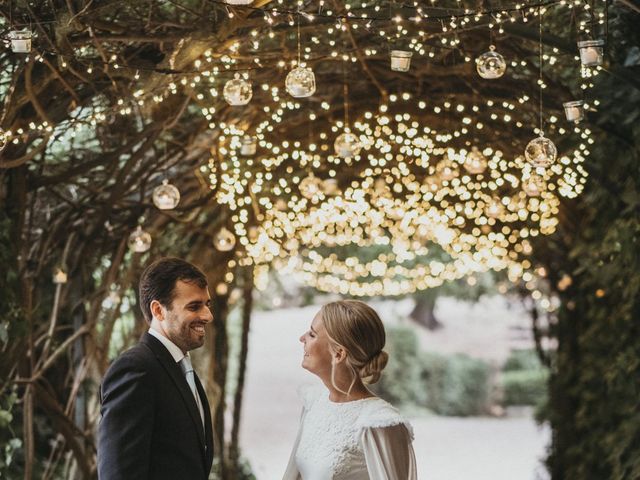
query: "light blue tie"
187, 369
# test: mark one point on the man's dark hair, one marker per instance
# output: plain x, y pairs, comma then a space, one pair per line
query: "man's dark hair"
159, 280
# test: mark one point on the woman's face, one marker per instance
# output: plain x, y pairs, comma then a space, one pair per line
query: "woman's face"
317, 352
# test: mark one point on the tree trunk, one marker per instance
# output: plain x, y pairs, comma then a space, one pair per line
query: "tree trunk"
424, 310
218, 368
234, 449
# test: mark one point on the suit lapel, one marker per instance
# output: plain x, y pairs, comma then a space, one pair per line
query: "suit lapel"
175, 373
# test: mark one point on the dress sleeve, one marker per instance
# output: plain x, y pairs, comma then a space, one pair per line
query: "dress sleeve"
388, 453
292, 473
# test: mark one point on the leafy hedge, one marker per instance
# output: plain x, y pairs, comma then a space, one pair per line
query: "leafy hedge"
456, 385
524, 380
594, 405
525, 387
447, 385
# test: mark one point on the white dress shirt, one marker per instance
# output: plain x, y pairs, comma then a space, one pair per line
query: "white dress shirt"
177, 355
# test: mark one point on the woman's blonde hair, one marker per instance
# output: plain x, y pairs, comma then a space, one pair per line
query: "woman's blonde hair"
356, 327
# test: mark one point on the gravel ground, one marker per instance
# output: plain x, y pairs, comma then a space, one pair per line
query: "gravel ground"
446, 448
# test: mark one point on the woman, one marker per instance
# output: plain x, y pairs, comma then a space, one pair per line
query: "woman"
348, 433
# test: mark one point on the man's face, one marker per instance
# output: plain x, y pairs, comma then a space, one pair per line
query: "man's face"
184, 321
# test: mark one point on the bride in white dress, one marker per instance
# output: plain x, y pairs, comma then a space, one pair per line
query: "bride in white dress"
346, 432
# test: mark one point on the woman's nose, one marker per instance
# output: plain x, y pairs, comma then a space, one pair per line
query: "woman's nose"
302, 337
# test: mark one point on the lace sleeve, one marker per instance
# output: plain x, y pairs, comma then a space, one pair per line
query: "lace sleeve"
388, 453
292, 473
308, 394
380, 414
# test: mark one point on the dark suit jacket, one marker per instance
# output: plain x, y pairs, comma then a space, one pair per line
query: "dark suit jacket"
151, 428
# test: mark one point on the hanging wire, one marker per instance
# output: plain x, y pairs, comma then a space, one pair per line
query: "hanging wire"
345, 85
298, 22
346, 95
540, 65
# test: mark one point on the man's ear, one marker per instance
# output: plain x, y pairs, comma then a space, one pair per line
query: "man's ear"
157, 310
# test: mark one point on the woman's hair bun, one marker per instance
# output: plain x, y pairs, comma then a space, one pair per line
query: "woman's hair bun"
372, 370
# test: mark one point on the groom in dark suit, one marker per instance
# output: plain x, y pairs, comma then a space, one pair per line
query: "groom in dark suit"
156, 422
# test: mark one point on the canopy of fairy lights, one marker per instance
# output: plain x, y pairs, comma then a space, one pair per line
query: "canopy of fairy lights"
370, 148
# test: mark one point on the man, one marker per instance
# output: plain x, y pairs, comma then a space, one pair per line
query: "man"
156, 422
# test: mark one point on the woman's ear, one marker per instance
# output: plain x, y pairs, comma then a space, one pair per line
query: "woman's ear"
157, 310
339, 355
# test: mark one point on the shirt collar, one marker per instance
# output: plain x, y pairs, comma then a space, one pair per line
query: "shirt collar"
174, 350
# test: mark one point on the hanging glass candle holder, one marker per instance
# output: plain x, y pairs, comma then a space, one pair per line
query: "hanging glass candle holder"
310, 186
591, 52
248, 146
238, 2
224, 240
166, 196
494, 208
534, 185
20, 40
280, 205
400, 60
574, 111
301, 82
347, 145
447, 169
541, 152
330, 187
475, 162
491, 64
139, 240
237, 91
59, 276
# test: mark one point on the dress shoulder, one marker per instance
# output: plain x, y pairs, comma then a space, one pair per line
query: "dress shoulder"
379, 413
310, 394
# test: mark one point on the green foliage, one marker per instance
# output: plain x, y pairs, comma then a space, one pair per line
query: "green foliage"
525, 387
595, 381
10, 442
526, 359
401, 382
456, 385
448, 385
10, 311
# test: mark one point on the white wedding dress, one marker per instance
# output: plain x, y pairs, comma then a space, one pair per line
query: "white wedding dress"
357, 440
